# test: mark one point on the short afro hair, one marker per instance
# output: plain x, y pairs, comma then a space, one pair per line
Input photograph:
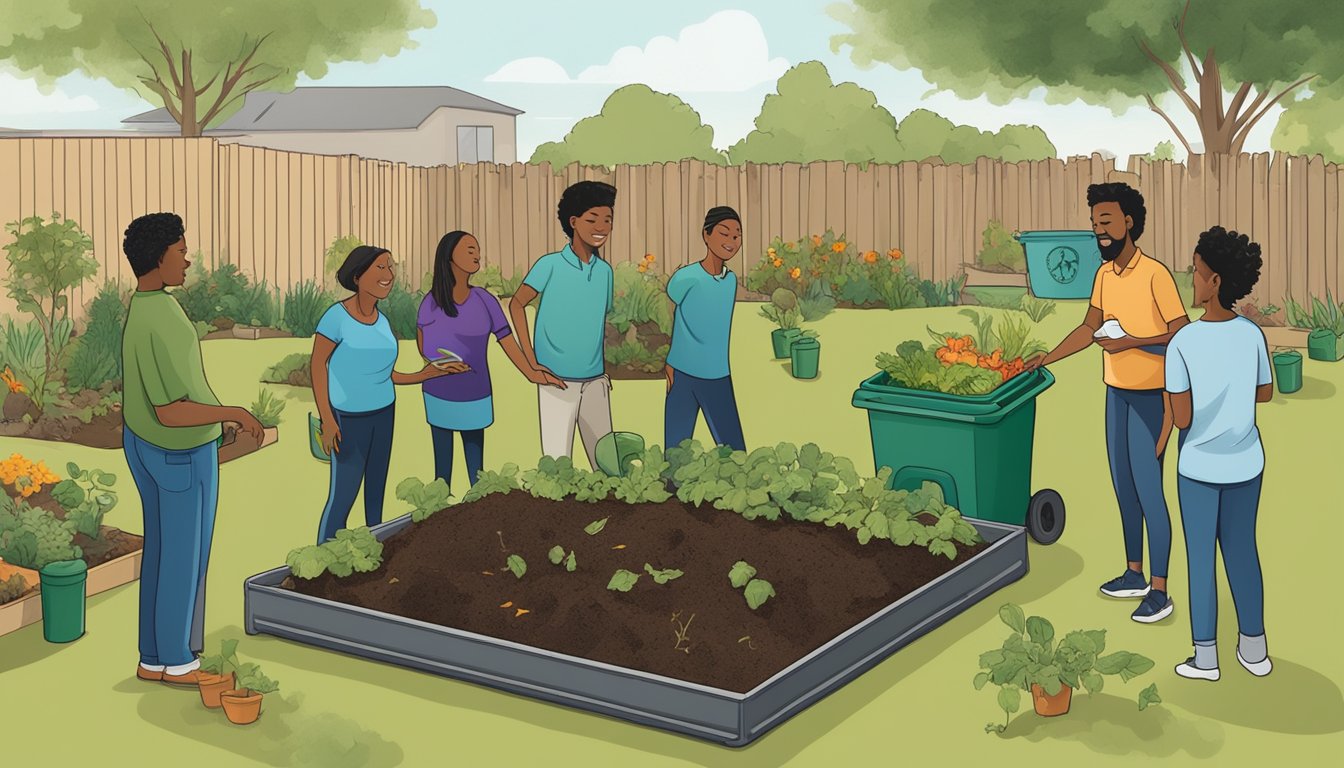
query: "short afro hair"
580, 198
1234, 259
356, 264
1131, 203
148, 238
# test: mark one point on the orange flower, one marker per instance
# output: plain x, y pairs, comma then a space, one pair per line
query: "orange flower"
895, 254
838, 247
14, 384
779, 262
770, 251
816, 240
795, 273
649, 258
643, 268
870, 257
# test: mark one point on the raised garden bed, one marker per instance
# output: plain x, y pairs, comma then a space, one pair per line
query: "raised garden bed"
689, 655
238, 444
90, 418
649, 362
980, 277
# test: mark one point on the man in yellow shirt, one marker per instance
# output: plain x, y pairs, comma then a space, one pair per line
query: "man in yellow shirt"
1139, 294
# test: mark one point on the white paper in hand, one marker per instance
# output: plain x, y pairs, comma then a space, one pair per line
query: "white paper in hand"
1110, 330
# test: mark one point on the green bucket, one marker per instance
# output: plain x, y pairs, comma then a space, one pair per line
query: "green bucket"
1288, 371
805, 354
1324, 345
977, 449
616, 450
63, 600
781, 339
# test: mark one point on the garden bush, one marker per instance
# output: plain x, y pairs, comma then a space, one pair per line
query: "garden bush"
268, 408
1321, 315
999, 252
335, 256
295, 370
639, 296
491, 279
402, 309
95, 358
225, 292
304, 305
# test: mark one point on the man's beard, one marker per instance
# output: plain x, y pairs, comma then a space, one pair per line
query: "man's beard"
1111, 252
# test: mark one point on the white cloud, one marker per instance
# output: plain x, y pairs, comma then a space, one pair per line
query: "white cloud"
726, 53
22, 97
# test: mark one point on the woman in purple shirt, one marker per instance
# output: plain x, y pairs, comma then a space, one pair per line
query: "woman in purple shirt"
457, 318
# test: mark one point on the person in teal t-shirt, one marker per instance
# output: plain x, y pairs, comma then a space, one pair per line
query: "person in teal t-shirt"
172, 425
575, 285
698, 375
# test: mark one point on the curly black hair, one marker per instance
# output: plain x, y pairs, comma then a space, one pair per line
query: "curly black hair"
582, 197
1234, 259
148, 237
1131, 203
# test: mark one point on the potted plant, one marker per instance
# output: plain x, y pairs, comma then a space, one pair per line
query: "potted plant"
783, 312
243, 705
220, 669
1032, 660
805, 355
1325, 319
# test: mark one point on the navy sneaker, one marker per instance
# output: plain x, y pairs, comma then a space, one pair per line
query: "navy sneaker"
1131, 584
1155, 607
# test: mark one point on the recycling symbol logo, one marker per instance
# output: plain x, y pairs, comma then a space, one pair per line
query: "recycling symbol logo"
1062, 263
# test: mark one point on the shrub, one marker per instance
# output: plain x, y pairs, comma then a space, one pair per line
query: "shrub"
304, 305
944, 293
824, 270
87, 496
816, 302
12, 588
295, 370
268, 408
782, 310
32, 537
1322, 316
22, 350
633, 354
402, 309
228, 293
639, 297
96, 356
1000, 252
335, 255
491, 279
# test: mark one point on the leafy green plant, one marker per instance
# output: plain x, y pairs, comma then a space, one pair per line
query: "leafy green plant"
353, 550
425, 499
623, 581
741, 573
639, 297
664, 575
557, 479
517, 565
1148, 697
816, 302
22, 348
32, 537
915, 366
999, 251
644, 482
401, 309
489, 482
305, 304
12, 589
253, 305
557, 556
757, 592
635, 355
942, 293
336, 254
95, 358
250, 678
491, 279
1031, 656
87, 496
783, 309
225, 661
595, 527
47, 259
1036, 309
268, 408
1007, 332
1322, 316
294, 370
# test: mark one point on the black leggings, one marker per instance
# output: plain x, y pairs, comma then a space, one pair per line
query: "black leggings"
473, 444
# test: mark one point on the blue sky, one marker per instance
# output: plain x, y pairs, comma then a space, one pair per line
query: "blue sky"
568, 57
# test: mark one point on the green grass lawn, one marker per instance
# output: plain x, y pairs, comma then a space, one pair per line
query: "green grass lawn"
79, 703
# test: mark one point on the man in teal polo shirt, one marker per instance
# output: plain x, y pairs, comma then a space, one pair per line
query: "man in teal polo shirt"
698, 375
575, 285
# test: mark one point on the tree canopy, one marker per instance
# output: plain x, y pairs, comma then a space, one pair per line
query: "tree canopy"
637, 126
1313, 126
200, 59
1110, 52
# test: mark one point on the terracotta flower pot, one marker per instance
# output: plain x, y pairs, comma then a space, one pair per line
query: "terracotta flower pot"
241, 707
1051, 706
212, 686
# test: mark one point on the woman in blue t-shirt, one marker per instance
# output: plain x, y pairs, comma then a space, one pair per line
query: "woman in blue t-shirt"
354, 352
1217, 370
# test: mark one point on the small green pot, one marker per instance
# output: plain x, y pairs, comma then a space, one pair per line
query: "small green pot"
1288, 371
1325, 346
63, 600
781, 339
806, 357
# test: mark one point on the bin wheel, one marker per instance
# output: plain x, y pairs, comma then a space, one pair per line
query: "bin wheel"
1045, 516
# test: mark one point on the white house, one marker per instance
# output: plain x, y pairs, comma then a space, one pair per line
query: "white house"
424, 126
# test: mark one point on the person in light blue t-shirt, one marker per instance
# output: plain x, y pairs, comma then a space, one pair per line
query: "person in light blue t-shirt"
698, 375
354, 351
1217, 369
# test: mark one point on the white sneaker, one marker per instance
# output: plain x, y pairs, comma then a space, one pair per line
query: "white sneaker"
1187, 669
1259, 668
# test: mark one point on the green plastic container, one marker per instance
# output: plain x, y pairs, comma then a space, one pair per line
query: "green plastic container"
616, 450
805, 355
1288, 371
977, 449
63, 600
1324, 345
781, 339
1061, 264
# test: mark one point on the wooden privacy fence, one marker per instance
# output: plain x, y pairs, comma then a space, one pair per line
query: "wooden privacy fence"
273, 213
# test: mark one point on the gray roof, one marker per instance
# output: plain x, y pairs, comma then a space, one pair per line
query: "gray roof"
340, 109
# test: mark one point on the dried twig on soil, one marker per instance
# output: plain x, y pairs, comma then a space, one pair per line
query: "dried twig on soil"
681, 633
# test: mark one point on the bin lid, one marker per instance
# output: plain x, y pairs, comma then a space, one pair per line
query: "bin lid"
63, 571
1055, 234
806, 343
979, 409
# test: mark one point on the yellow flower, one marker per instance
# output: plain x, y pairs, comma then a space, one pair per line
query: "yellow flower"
870, 257
895, 254
643, 268
838, 247
770, 251
795, 272
14, 384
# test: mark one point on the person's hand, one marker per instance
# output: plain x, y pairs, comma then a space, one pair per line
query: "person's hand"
331, 437
249, 424
1033, 362
433, 371
1116, 345
544, 378
667, 369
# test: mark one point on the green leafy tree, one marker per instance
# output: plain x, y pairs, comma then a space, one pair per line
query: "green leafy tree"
924, 134
810, 118
1164, 150
200, 59
637, 126
47, 260
1313, 126
1113, 53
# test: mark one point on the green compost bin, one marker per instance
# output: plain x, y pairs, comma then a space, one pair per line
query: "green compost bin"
977, 449
1061, 263
63, 585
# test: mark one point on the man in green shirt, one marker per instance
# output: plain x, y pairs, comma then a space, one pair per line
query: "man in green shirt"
171, 440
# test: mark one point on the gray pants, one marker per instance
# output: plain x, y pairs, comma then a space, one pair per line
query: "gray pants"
585, 405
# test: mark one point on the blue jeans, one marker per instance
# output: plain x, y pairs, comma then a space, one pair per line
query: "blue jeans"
363, 458
1222, 516
473, 448
179, 491
691, 396
1133, 424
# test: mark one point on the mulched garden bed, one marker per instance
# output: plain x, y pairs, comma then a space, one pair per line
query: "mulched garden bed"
114, 542
102, 431
651, 337
450, 570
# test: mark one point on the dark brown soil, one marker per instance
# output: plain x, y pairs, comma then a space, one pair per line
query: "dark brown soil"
450, 570
114, 542
651, 337
101, 432
1252, 312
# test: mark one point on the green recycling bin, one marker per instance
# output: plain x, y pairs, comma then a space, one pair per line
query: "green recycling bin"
1061, 264
977, 449
63, 600
1288, 371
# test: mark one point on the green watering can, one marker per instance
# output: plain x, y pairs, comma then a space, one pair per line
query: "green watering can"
616, 451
